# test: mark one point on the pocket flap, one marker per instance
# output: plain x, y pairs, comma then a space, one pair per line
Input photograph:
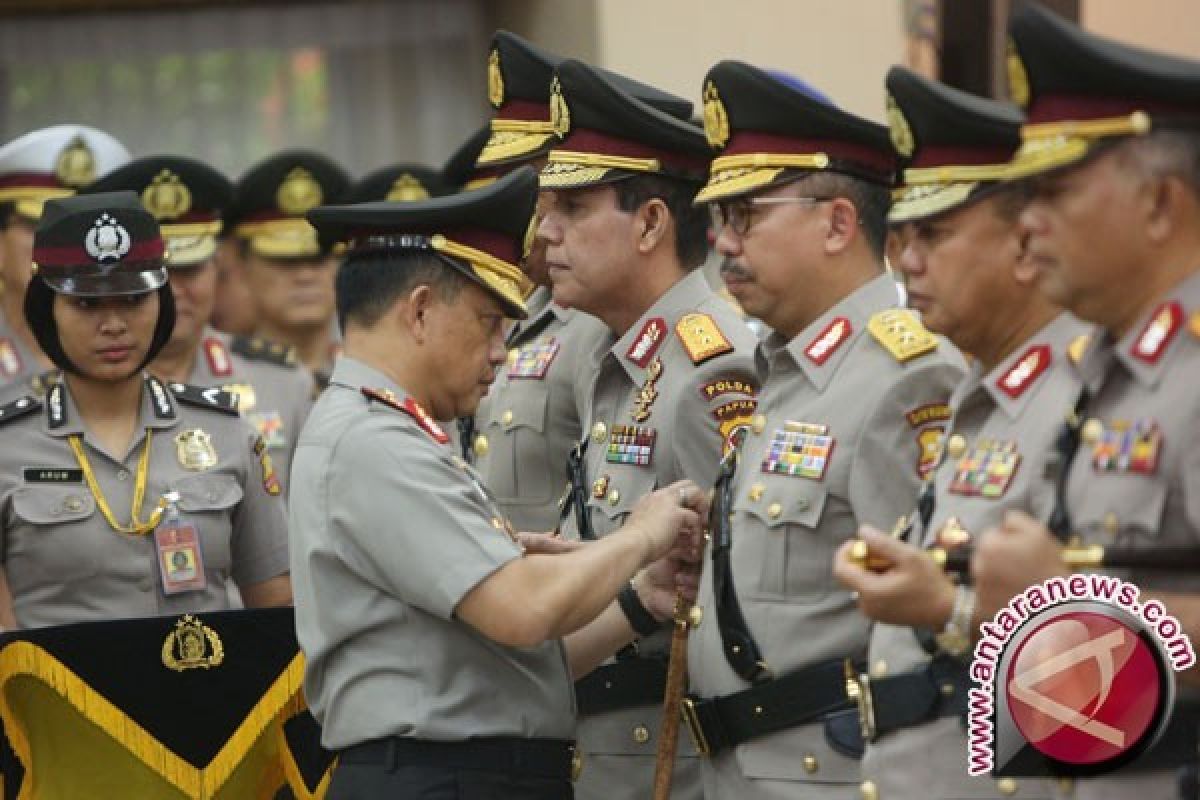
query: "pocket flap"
51, 505
210, 492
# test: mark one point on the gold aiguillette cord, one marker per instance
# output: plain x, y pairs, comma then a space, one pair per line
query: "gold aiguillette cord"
135, 526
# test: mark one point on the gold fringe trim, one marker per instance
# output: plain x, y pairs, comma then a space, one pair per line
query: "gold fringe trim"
295, 780
507, 145
957, 174
602, 160
282, 700
729, 182
922, 201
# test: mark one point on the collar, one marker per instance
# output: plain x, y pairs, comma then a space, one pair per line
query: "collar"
158, 409
213, 362
636, 349
1154, 340
357, 376
1014, 382
542, 311
821, 348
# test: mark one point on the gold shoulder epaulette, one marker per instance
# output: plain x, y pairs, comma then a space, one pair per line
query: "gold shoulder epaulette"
701, 337
258, 349
1077, 347
901, 334
1194, 324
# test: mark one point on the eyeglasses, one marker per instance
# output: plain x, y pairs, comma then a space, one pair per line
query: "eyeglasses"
739, 214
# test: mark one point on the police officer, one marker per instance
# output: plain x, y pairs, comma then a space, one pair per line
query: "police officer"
392, 522
46, 163
288, 274
662, 388
115, 471
187, 198
800, 190
529, 421
1114, 228
962, 259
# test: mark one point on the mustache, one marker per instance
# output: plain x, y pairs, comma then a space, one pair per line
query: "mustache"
735, 270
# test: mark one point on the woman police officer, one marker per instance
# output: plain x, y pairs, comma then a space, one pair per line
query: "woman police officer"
115, 473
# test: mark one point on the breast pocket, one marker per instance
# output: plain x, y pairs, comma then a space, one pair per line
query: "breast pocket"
779, 518
1125, 508
209, 502
58, 535
516, 434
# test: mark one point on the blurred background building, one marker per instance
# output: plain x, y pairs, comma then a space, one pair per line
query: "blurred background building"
377, 81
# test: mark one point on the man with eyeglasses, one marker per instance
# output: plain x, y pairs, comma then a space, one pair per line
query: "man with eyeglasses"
849, 417
659, 392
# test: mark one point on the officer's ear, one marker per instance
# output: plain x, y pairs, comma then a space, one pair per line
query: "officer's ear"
652, 224
841, 227
415, 311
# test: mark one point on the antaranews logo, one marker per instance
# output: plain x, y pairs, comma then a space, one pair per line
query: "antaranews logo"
1075, 676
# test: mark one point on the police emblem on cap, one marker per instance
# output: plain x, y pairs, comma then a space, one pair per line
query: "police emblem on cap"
406, 189
107, 240
716, 121
495, 80
560, 115
76, 165
167, 197
299, 192
1018, 79
902, 135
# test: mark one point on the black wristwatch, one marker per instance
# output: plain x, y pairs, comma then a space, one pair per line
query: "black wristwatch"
639, 617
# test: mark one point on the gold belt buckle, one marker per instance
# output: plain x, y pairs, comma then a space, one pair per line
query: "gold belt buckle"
858, 689
693, 722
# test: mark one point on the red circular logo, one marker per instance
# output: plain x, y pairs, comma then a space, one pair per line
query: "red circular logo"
1085, 688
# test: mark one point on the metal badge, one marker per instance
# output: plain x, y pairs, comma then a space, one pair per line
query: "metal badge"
192, 645
107, 240
195, 451
167, 197
299, 192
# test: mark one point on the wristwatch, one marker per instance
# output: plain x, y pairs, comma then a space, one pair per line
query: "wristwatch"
955, 638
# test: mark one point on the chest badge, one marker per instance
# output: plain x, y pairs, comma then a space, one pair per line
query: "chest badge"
1125, 446
986, 470
630, 444
800, 449
533, 361
195, 451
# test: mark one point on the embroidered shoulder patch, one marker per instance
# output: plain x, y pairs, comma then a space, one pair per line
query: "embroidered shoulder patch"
701, 337
412, 408
901, 334
829, 340
923, 415
722, 386
1159, 332
217, 357
1025, 371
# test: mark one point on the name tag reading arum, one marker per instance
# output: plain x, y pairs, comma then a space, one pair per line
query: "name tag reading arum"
52, 475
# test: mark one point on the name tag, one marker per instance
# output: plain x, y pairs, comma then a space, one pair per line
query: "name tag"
53, 475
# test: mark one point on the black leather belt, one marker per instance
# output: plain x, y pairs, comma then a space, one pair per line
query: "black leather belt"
797, 698
938, 689
628, 683
539, 758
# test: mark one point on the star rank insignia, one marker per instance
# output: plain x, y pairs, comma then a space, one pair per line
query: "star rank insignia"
800, 449
987, 470
630, 444
1158, 333
1125, 446
533, 361
701, 337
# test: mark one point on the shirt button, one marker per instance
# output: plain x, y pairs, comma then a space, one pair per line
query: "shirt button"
1111, 523
481, 445
123, 475
879, 669
507, 417
756, 492
599, 431
513, 355
759, 423
810, 763
641, 734
614, 497
868, 791
1006, 786
956, 445
1091, 431
774, 510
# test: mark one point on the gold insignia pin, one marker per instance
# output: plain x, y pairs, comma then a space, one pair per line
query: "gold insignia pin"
76, 166
495, 80
716, 121
560, 115
299, 192
195, 451
406, 189
167, 197
192, 645
1018, 78
245, 395
902, 135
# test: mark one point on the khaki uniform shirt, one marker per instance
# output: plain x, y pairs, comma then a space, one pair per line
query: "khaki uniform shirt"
390, 530
17, 362
63, 560
660, 401
528, 422
1142, 490
843, 415
997, 453
274, 392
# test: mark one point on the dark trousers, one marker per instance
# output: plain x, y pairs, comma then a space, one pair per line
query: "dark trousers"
379, 782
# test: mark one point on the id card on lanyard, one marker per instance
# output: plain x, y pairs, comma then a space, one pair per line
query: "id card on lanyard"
180, 558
